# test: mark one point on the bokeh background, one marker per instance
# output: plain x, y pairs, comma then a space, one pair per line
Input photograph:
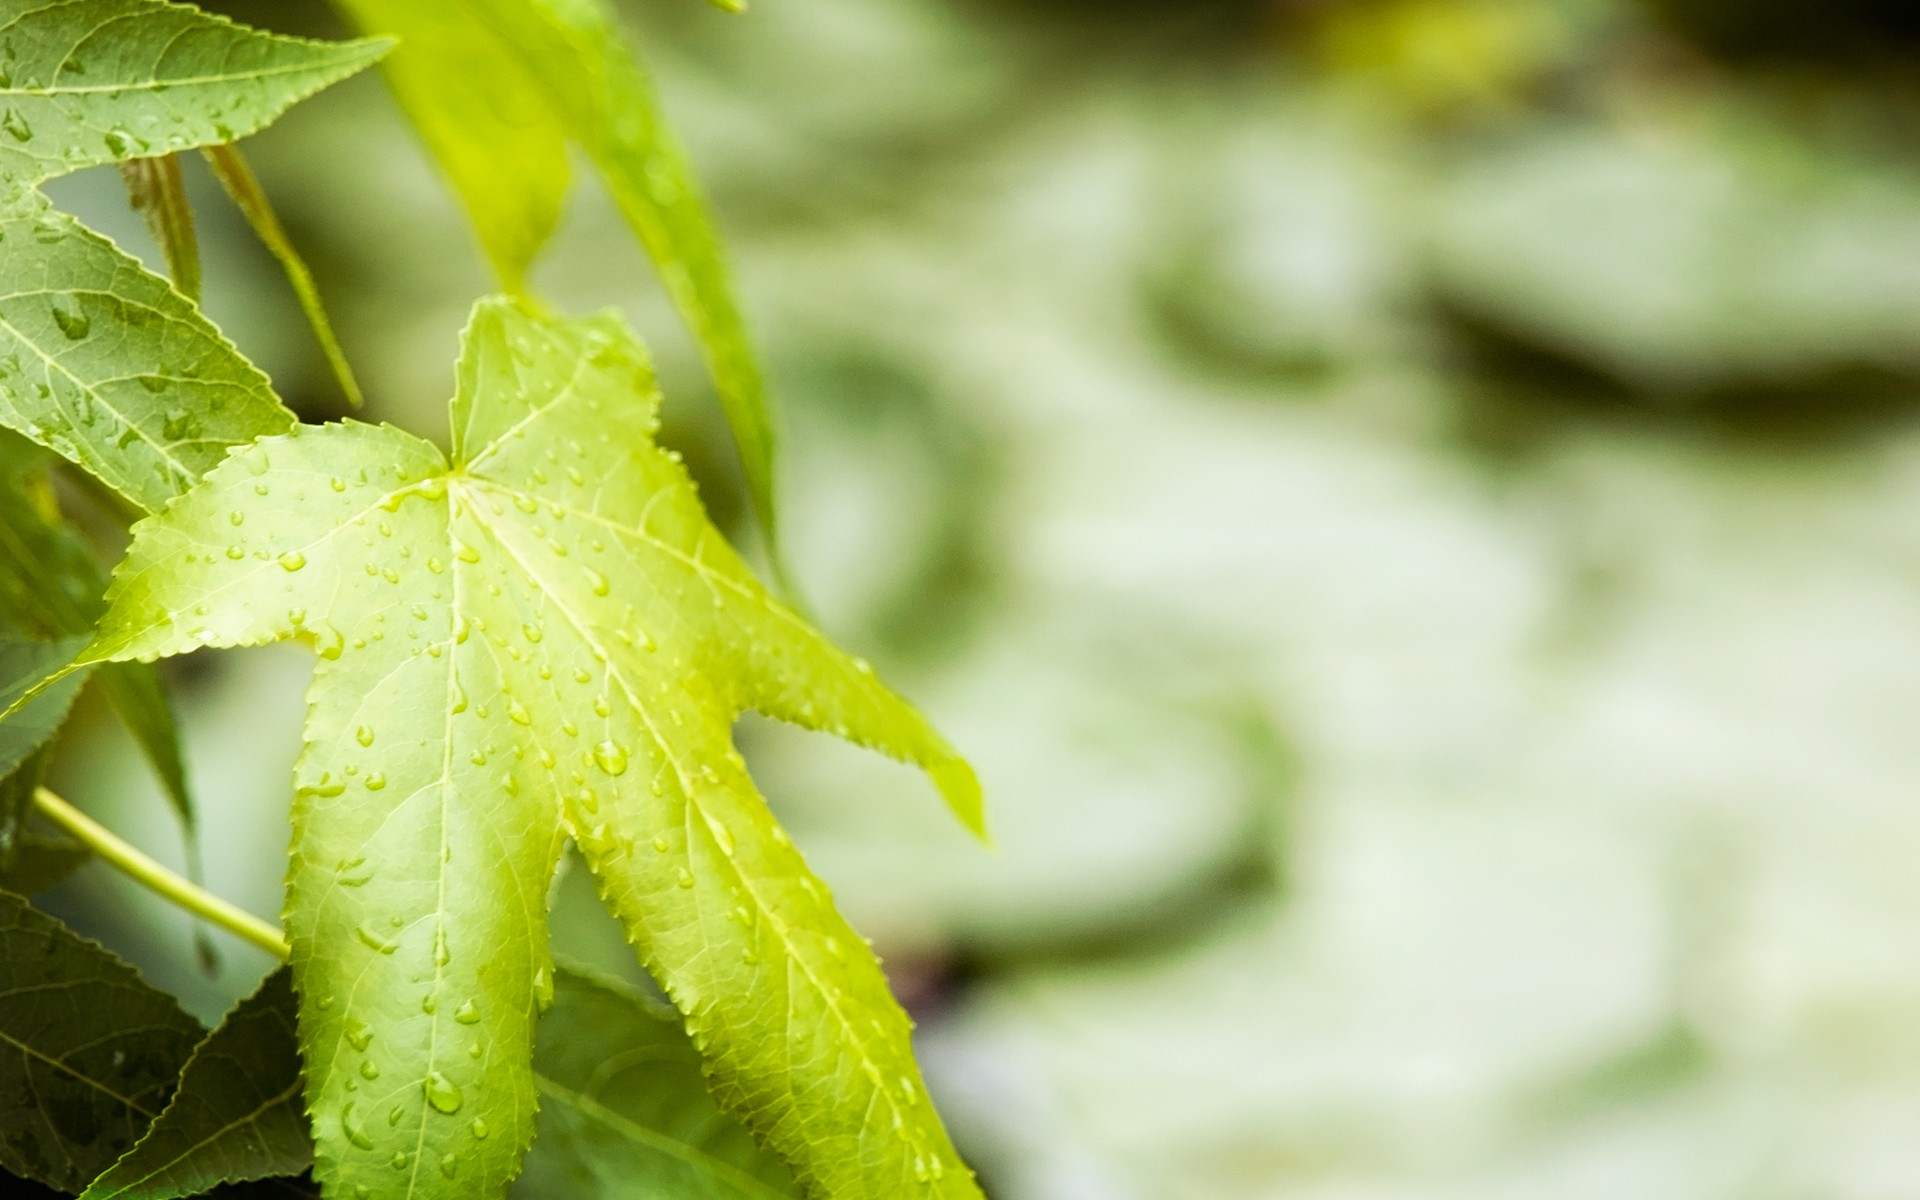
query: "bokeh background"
1413, 506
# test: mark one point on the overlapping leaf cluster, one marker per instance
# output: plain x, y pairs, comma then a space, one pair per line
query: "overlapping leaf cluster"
536, 638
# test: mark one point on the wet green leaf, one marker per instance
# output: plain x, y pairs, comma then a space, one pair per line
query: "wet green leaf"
587, 639
99, 81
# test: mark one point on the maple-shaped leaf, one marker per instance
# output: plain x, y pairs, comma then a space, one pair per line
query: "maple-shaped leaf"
540, 636
101, 361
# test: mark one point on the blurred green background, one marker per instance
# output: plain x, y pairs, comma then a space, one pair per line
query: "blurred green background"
1413, 506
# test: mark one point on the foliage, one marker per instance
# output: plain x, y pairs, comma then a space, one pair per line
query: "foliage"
581, 636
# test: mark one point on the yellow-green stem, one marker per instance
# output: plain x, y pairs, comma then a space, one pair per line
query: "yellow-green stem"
151, 875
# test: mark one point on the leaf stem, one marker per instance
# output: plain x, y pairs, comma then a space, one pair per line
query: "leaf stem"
158, 879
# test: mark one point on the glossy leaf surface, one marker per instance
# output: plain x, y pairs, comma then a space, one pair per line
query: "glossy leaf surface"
543, 635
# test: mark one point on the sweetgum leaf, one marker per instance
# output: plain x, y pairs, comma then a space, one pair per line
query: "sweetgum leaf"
236, 1115
86, 82
88, 1052
543, 635
624, 1109
498, 88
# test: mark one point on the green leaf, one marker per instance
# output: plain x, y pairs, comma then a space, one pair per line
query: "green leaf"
113, 369
40, 862
159, 194
88, 82
88, 1052
485, 117
497, 88
231, 169
237, 1114
16, 805
544, 635
23, 666
625, 1110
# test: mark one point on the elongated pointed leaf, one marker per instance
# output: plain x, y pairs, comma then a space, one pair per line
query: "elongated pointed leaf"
498, 88
231, 169
624, 1110
236, 1115
543, 634
87, 82
88, 1052
158, 193
483, 115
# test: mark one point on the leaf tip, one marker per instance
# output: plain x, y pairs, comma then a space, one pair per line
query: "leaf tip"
961, 789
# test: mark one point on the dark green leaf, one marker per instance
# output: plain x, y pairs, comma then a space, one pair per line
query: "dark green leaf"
625, 1109
23, 665
237, 1114
51, 587
40, 862
88, 1052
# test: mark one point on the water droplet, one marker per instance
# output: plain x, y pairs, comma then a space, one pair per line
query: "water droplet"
685, 878
70, 317
400, 1160
236, 517
442, 1093
358, 1035
375, 781
543, 989
395, 1115
368, 1070
449, 1165
479, 1128
374, 941
292, 560
429, 1004
518, 714
468, 1013
16, 125
355, 1132
364, 735
598, 582
611, 757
